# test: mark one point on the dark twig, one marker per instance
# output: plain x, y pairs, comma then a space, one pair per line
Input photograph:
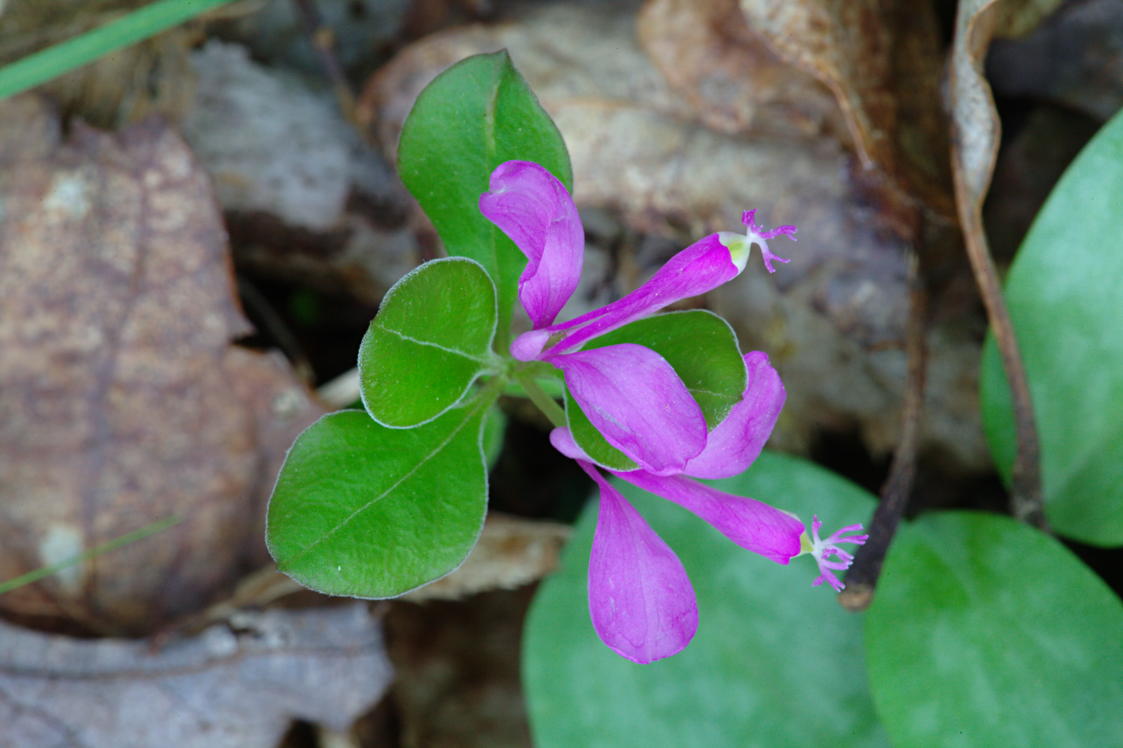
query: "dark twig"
861, 580
1027, 501
323, 41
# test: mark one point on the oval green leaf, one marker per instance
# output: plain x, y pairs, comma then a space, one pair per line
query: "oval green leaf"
703, 350
366, 511
776, 662
1065, 297
987, 632
473, 117
429, 341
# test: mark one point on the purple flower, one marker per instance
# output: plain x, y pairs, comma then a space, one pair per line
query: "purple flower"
649, 416
640, 598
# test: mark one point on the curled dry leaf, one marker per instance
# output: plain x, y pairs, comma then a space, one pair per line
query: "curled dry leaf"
124, 401
229, 686
882, 61
975, 133
637, 149
975, 124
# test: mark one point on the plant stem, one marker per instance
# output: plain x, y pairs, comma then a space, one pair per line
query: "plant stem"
861, 580
1027, 501
545, 403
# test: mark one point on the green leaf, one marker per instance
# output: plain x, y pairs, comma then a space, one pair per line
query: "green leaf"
986, 632
776, 662
1066, 301
473, 117
429, 341
700, 346
494, 430
367, 511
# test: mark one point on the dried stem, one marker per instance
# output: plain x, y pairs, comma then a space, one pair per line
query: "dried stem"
323, 41
861, 580
1027, 499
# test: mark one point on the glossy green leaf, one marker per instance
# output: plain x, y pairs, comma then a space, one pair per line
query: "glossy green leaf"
474, 116
1065, 296
429, 341
367, 511
776, 662
986, 632
700, 346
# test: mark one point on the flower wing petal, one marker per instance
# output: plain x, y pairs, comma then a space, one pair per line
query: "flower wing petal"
640, 598
534, 209
736, 442
638, 402
751, 524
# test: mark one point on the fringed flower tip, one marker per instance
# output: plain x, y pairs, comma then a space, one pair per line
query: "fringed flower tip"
755, 234
824, 549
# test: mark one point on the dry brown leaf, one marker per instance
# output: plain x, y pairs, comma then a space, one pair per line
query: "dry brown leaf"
882, 60
124, 402
633, 150
732, 80
238, 686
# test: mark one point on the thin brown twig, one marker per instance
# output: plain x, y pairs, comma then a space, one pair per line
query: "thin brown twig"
323, 41
1027, 501
861, 580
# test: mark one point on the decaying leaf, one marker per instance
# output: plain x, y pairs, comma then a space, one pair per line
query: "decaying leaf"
232, 685
882, 61
975, 125
637, 148
733, 82
124, 401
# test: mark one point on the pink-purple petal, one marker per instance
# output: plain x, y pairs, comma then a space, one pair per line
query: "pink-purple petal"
736, 442
562, 440
701, 267
640, 598
749, 523
638, 403
534, 209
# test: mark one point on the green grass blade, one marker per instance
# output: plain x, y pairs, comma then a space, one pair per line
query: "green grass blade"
112, 545
142, 23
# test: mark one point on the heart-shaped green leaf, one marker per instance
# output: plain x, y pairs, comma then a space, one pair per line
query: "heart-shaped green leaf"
776, 662
473, 117
367, 511
700, 346
986, 632
429, 341
1065, 296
